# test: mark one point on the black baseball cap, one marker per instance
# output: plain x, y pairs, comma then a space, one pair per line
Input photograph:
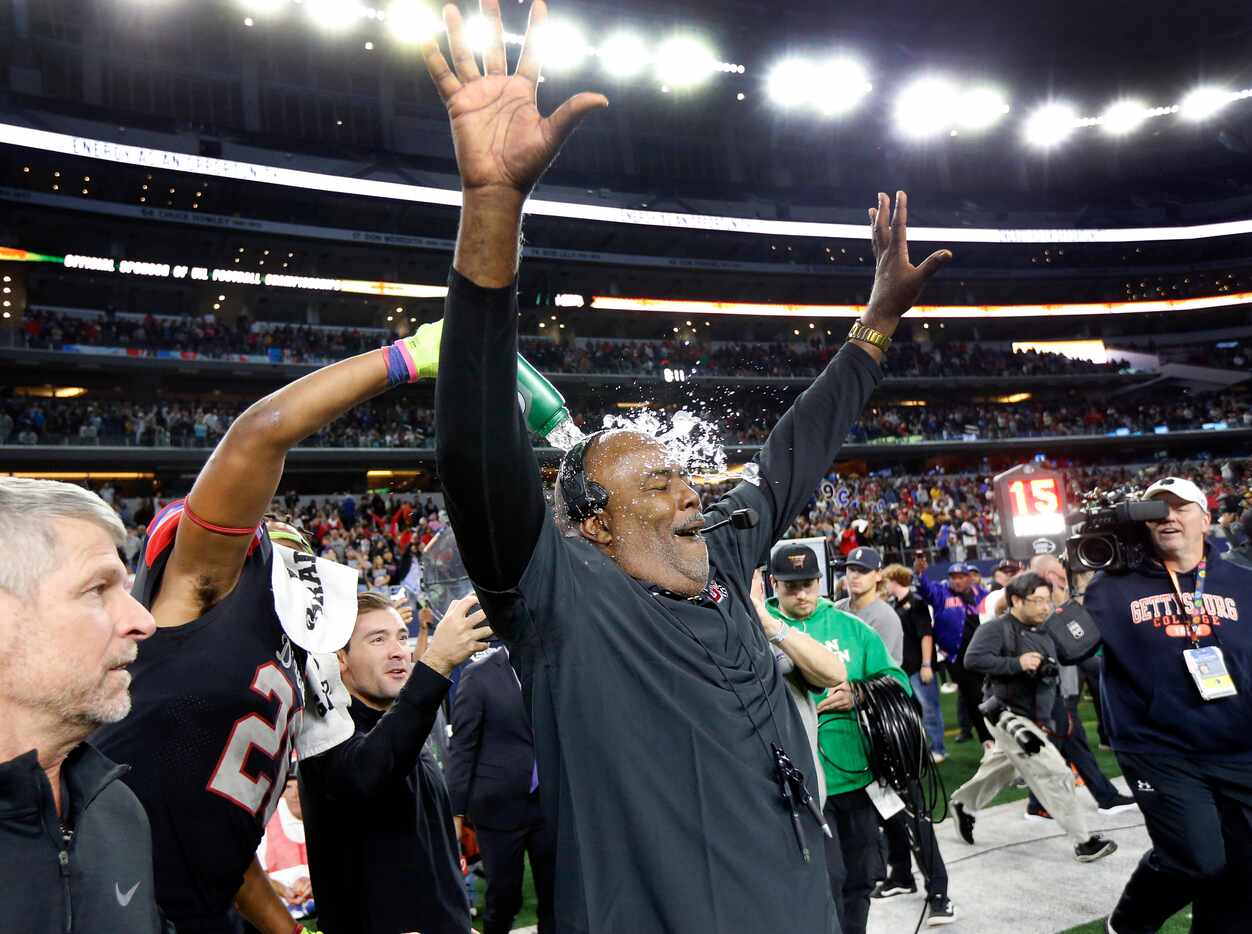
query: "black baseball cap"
1008, 564
867, 559
794, 563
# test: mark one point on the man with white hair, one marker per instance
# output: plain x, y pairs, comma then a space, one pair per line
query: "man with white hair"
75, 845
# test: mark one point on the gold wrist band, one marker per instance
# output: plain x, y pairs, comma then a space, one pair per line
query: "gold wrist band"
860, 332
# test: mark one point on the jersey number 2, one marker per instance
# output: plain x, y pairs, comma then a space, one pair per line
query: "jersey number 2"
230, 779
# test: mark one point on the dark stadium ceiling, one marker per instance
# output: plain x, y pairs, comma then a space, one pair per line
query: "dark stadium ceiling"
706, 142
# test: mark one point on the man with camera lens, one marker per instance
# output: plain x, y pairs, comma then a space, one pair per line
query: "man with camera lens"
1177, 689
1017, 653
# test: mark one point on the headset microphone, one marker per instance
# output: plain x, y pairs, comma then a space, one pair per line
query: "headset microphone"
740, 519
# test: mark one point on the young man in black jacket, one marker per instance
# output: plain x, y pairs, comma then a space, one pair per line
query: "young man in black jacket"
1177, 689
75, 844
652, 690
1018, 655
383, 855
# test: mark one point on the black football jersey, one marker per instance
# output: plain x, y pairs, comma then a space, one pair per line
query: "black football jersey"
208, 739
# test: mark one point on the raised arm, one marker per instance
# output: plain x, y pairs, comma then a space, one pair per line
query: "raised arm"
807, 438
818, 665
359, 768
236, 484
503, 145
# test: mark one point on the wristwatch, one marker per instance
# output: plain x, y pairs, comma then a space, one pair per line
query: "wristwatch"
780, 636
860, 332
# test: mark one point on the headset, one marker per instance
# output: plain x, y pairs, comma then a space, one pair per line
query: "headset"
583, 498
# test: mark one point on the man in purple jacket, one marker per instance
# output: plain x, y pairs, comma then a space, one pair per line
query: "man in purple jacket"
955, 604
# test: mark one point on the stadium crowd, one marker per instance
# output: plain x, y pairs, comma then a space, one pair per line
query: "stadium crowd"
391, 423
945, 516
207, 337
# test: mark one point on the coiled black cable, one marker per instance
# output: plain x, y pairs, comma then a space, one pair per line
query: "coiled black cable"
896, 745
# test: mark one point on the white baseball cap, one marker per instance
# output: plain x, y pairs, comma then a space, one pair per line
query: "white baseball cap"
1183, 489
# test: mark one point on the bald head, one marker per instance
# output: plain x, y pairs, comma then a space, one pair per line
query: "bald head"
650, 522
1053, 571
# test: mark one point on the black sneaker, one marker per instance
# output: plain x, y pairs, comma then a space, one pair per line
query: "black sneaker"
941, 911
1118, 805
1096, 848
964, 823
963, 738
889, 887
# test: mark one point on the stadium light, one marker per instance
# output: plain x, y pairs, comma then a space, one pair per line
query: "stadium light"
1124, 117
791, 83
623, 55
1051, 125
841, 85
411, 21
684, 61
926, 107
562, 46
1203, 103
479, 33
335, 15
979, 108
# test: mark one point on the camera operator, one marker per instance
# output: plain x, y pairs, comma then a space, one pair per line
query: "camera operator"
1177, 691
1018, 655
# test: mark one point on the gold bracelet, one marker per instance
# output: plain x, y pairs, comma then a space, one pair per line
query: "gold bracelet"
861, 332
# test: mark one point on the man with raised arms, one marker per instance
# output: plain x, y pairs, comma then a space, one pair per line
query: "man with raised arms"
659, 716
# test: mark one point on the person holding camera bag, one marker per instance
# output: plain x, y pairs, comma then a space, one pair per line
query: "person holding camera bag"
1017, 653
1177, 688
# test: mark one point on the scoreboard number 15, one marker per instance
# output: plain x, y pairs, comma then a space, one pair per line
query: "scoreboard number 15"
1042, 498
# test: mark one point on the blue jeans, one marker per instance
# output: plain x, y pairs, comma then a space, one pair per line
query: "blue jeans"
932, 716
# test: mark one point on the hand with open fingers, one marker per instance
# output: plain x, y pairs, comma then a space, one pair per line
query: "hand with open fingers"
758, 589
897, 282
769, 623
503, 144
462, 632
837, 698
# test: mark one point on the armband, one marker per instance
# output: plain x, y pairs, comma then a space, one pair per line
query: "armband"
414, 357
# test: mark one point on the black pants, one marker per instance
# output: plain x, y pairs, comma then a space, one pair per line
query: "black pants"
908, 836
1089, 673
853, 860
970, 685
1071, 739
503, 865
1199, 816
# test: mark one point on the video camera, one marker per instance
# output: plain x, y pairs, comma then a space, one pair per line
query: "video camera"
1110, 534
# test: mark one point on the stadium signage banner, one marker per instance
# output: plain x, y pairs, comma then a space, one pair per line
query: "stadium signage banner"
128, 267
363, 187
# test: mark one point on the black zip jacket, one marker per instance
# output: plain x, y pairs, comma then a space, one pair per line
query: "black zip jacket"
88, 869
382, 850
652, 714
1151, 703
996, 650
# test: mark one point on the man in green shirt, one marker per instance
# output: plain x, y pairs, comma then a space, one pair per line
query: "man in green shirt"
853, 857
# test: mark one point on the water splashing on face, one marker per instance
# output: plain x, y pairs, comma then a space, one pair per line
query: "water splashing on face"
691, 441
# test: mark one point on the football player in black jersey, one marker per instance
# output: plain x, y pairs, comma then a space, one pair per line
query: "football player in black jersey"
218, 690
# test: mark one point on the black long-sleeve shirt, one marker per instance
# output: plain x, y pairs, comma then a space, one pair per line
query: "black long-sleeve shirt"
383, 855
652, 714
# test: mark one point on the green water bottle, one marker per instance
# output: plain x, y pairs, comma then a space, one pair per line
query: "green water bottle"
544, 408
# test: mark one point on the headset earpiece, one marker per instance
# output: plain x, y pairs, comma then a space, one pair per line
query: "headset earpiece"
583, 498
